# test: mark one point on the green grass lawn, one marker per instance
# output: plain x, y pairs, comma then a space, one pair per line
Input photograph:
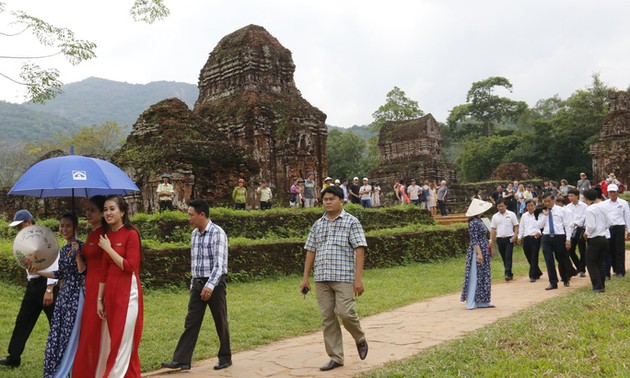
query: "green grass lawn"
259, 312
582, 334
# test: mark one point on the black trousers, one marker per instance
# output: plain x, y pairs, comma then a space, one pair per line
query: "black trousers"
265, 205
531, 248
617, 251
595, 254
506, 247
32, 305
166, 205
578, 242
555, 246
442, 206
194, 318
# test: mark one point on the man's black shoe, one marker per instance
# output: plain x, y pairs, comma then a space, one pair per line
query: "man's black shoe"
362, 348
551, 287
176, 365
567, 283
330, 365
222, 365
10, 362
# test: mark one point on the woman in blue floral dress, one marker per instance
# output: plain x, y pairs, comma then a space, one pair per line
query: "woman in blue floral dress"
63, 337
477, 281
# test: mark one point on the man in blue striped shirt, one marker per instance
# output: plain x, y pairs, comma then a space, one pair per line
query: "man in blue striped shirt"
208, 258
335, 248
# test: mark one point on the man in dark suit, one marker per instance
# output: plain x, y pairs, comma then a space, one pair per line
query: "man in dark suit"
40, 295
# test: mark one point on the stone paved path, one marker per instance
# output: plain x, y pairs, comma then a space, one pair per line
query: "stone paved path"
392, 335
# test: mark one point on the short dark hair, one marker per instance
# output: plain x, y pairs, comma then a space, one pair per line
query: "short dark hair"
73, 218
548, 194
334, 190
591, 194
200, 206
529, 201
501, 201
574, 192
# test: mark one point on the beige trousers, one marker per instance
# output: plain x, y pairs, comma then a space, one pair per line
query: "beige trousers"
337, 299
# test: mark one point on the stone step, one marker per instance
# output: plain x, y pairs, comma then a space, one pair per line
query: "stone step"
450, 219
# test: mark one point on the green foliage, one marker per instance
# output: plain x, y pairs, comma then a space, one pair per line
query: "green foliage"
484, 110
149, 11
397, 107
479, 157
349, 154
95, 101
97, 140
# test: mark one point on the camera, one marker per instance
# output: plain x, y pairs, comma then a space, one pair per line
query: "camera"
305, 290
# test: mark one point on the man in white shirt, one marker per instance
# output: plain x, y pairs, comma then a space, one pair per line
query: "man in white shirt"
596, 224
414, 190
619, 214
577, 208
365, 192
556, 240
40, 294
503, 231
529, 236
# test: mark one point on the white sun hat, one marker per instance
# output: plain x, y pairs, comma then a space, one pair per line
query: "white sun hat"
477, 207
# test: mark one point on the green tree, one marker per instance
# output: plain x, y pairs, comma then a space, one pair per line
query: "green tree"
41, 83
97, 141
347, 154
397, 107
484, 110
15, 160
478, 158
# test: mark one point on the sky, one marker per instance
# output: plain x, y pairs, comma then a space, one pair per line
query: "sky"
350, 53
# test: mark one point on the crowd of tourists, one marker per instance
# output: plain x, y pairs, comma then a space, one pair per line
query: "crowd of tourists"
581, 229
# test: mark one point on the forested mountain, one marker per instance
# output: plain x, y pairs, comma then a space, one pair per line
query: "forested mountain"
17, 123
95, 101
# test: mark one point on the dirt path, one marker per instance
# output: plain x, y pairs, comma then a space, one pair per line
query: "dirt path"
392, 335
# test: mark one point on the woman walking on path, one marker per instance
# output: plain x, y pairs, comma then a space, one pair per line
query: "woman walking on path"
120, 292
63, 337
477, 281
94, 339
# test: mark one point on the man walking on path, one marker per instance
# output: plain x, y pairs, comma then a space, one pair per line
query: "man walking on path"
335, 248
556, 241
504, 231
597, 225
577, 208
619, 213
40, 295
209, 258
529, 236
309, 190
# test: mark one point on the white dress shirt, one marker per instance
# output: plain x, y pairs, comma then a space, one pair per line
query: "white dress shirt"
49, 281
618, 212
528, 226
504, 224
562, 224
597, 220
578, 213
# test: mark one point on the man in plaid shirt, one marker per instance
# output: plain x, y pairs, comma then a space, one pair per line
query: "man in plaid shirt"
209, 258
335, 247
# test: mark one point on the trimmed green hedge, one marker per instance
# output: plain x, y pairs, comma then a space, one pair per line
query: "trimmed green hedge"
255, 260
277, 223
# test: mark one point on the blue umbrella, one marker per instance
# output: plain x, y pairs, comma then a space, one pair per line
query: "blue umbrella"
73, 175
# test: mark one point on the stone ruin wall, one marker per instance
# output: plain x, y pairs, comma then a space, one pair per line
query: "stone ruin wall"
611, 152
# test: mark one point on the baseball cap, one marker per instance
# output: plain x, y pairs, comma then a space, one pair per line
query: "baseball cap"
337, 181
21, 216
356, 178
613, 188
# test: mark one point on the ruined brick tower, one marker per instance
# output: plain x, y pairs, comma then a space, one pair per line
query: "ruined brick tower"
247, 91
611, 152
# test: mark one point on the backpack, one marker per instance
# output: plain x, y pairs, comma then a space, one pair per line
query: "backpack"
423, 195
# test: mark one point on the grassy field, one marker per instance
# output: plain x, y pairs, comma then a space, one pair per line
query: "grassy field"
260, 312
582, 334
